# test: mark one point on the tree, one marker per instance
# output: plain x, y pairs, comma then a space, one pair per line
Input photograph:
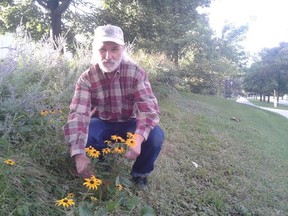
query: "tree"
259, 81
26, 14
276, 63
221, 59
172, 27
62, 17
56, 9
272, 72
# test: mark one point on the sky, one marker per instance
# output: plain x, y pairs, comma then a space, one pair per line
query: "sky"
267, 20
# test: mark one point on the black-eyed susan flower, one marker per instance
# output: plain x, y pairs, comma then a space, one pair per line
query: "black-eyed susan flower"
70, 195
117, 138
106, 151
94, 153
89, 149
10, 162
114, 137
44, 112
130, 142
66, 202
93, 198
119, 187
119, 150
92, 183
52, 111
121, 140
130, 135
59, 110
108, 142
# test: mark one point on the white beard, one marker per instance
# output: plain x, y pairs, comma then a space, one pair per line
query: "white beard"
109, 66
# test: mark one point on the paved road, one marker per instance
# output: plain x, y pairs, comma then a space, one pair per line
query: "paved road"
279, 111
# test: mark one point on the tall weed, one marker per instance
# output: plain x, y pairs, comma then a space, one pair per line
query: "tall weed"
34, 78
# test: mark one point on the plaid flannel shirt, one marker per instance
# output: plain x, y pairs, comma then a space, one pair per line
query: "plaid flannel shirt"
127, 95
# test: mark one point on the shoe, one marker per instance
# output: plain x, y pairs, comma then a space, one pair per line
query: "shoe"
141, 182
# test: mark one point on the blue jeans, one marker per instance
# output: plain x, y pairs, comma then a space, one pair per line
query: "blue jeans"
100, 130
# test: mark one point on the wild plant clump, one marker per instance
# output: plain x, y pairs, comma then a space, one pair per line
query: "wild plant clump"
108, 190
35, 77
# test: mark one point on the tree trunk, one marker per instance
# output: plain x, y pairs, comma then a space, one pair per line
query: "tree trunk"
278, 97
56, 25
219, 88
175, 56
56, 8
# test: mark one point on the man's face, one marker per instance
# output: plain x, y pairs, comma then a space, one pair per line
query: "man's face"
109, 55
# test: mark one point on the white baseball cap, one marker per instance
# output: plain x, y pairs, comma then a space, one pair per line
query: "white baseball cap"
109, 33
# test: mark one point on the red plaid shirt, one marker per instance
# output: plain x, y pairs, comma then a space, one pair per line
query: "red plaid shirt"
124, 96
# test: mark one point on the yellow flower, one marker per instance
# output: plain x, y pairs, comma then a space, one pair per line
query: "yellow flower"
130, 135
70, 195
94, 153
106, 150
59, 110
52, 111
44, 113
89, 149
108, 142
119, 150
66, 202
117, 138
10, 162
121, 140
130, 142
93, 198
114, 137
92, 182
119, 187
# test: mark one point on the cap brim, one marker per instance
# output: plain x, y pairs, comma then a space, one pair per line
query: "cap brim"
115, 40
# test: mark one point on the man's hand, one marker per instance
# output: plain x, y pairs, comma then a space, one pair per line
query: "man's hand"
83, 165
135, 151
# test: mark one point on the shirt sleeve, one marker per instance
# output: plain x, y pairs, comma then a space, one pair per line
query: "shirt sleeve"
76, 128
146, 105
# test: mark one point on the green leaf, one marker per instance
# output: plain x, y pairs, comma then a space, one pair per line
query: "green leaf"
147, 211
101, 212
132, 202
111, 188
111, 206
23, 209
85, 211
126, 182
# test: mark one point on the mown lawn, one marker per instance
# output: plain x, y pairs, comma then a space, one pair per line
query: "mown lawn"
242, 155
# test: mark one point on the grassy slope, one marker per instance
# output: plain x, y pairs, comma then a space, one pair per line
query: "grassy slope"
243, 165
